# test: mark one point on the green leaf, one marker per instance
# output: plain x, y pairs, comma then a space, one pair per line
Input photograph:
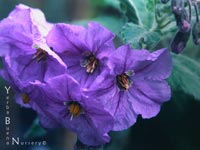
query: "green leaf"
113, 3
140, 12
35, 130
105, 3
185, 75
139, 37
150, 5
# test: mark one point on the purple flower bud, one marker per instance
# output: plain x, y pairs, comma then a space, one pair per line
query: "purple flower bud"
177, 6
179, 42
182, 21
185, 26
164, 1
196, 33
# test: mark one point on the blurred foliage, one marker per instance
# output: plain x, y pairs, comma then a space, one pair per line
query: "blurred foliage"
185, 75
35, 130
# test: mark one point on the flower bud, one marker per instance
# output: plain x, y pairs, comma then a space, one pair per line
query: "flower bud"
177, 6
185, 26
179, 42
182, 21
196, 33
164, 1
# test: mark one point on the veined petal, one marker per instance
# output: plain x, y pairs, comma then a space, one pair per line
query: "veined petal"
63, 88
96, 36
158, 91
124, 115
159, 66
124, 59
99, 116
87, 132
58, 38
39, 101
142, 104
22, 23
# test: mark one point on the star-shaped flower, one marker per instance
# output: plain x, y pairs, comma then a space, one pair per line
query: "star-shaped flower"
23, 46
84, 50
136, 85
76, 112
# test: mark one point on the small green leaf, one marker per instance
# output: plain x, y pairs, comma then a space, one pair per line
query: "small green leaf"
35, 130
150, 5
185, 75
130, 11
106, 3
139, 37
140, 12
114, 4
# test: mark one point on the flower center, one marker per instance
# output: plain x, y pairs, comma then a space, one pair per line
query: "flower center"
90, 63
40, 55
123, 81
74, 108
25, 98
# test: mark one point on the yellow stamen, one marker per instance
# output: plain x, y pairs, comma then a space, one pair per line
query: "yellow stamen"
90, 63
40, 55
74, 109
25, 98
123, 81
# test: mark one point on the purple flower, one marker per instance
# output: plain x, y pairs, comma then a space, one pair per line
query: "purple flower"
136, 85
81, 114
85, 51
32, 96
23, 26
23, 46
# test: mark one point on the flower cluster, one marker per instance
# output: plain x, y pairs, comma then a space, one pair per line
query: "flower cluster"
75, 78
183, 22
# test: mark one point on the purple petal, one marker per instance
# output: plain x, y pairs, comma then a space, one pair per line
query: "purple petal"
93, 124
28, 69
22, 25
159, 66
87, 132
58, 38
102, 119
19, 101
158, 91
124, 59
96, 36
64, 88
143, 105
39, 101
48, 118
124, 115
64, 37
156, 65
25, 68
